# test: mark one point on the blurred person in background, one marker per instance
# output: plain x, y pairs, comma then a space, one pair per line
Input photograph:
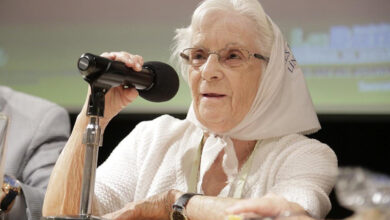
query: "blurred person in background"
37, 132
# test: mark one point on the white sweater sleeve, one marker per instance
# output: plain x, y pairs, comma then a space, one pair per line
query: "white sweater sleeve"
306, 176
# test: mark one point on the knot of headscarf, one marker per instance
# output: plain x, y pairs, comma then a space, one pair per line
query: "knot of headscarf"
212, 148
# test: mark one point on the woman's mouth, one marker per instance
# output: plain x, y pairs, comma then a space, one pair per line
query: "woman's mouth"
213, 95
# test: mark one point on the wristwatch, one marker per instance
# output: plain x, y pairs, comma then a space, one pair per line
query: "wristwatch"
11, 188
178, 209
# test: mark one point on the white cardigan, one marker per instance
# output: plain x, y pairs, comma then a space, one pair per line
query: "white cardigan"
158, 155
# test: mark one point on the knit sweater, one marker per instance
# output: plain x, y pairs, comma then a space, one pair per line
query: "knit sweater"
158, 156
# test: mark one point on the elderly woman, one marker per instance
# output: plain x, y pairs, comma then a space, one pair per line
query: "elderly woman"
242, 138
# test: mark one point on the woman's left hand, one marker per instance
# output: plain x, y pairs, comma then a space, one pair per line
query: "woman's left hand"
155, 207
270, 205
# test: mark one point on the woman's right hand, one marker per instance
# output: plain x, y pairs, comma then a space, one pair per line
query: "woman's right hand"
118, 98
63, 192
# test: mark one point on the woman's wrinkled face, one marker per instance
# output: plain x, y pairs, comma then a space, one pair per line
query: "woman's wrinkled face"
222, 95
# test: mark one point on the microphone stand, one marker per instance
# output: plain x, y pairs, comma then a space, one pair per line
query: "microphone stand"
92, 139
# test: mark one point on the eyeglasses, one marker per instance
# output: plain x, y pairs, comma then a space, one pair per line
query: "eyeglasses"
229, 56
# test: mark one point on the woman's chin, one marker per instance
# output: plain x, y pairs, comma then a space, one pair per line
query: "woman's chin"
215, 123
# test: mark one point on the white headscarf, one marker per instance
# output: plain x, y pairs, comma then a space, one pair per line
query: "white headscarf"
282, 106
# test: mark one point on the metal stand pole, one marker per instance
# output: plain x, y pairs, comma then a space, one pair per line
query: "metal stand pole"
93, 140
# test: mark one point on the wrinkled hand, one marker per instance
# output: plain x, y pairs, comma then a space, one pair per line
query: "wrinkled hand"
270, 205
118, 98
155, 207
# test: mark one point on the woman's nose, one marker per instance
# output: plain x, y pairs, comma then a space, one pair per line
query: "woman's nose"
212, 69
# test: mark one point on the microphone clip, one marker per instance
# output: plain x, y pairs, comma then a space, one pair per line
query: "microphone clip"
96, 100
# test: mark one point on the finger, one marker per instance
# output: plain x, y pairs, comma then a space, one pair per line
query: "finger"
108, 55
139, 61
263, 207
122, 56
120, 97
129, 95
133, 61
104, 54
126, 58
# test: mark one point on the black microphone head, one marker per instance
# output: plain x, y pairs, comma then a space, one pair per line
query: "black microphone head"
165, 84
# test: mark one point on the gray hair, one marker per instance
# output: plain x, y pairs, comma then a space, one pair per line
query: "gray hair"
251, 9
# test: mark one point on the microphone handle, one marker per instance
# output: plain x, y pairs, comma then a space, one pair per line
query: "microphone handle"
117, 73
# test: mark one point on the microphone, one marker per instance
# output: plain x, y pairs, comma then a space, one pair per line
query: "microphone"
156, 82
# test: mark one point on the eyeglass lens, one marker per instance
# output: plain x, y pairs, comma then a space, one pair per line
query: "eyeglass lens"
230, 57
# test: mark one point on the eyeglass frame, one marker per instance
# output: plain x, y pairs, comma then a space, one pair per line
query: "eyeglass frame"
187, 58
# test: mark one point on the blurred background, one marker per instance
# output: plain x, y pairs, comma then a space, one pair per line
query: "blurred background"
342, 46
